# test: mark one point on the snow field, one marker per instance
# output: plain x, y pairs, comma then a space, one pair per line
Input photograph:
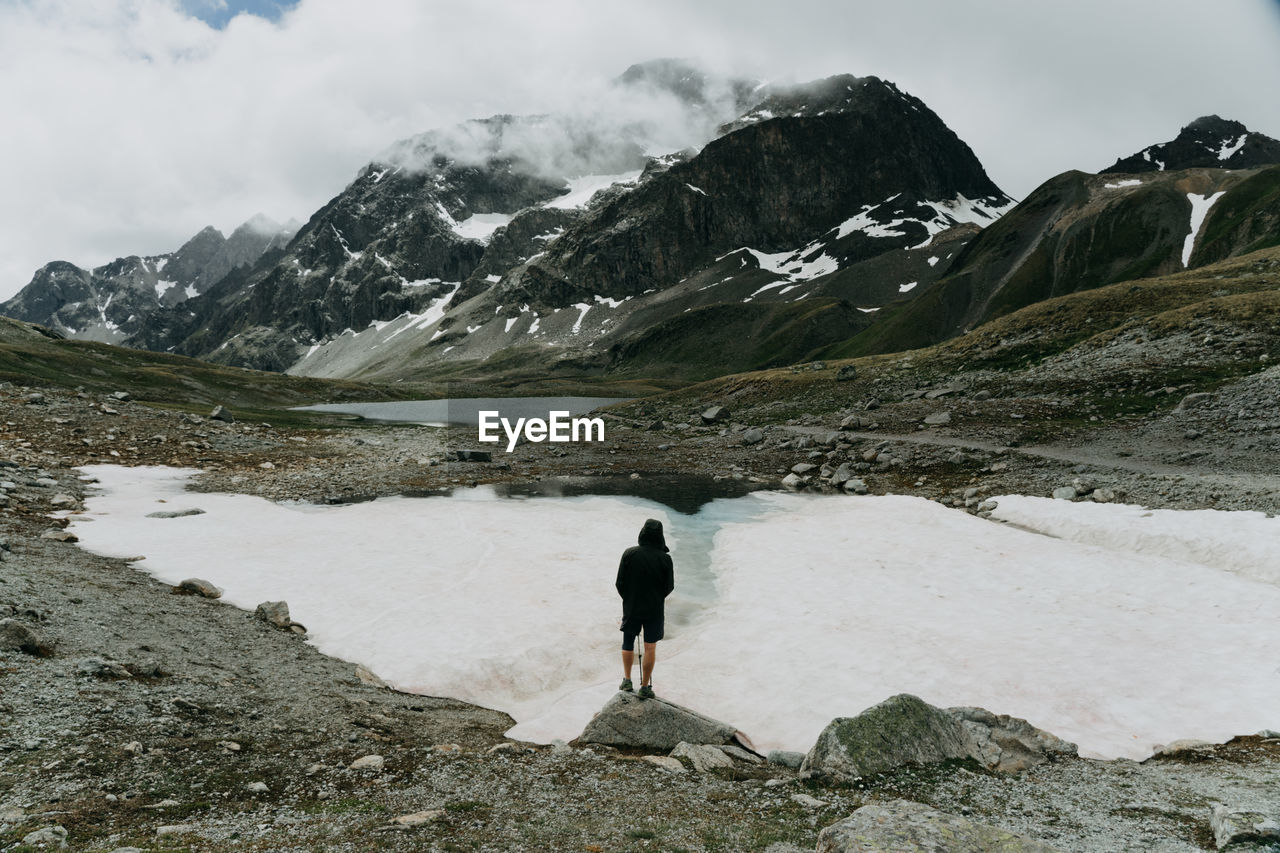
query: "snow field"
789, 610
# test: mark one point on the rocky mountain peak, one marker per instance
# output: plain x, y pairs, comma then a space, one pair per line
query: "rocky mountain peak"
1208, 142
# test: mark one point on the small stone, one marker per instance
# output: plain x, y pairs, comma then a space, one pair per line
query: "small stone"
122, 396
665, 762
229, 746
739, 753
1103, 495
373, 763
1065, 493
102, 668
63, 500
313, 769
938, 418
846, 373
176, 513
419, 818
200, 587
274, 613
220, 413
368, 677
174, 829
469, 455
776, 783
752, 436
802, 468
793, 481
257, 788
17, 637
856, 486
807, 801
133, 747
60, 536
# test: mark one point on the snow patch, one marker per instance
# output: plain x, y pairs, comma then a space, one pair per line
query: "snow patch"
480, 226
1199, 210
1131, 182
1229, 149
908, 287
583, 308
581, 189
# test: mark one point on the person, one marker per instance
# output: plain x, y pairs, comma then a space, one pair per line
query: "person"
646, 577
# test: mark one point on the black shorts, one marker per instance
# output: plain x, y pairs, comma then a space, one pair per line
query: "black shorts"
652, 629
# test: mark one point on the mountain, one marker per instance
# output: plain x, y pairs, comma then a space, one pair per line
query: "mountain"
1208, 142
114, 301
571, 243
1079, 231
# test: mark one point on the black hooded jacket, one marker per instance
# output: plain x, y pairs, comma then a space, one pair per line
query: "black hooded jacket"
645, 575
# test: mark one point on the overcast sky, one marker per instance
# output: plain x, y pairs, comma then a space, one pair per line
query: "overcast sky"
128, 125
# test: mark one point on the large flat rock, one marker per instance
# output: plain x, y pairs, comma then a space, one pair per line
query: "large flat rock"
629, 721
902, 826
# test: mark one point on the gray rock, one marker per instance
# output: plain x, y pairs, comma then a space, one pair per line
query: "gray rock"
855, 486
1065, 493
102, 668
665, 762
17, 637
793, 481
419, 818
200, 587
49, 836
1103, 495
901, 826
703, 757
373, 763
1238, 826
1008, 744
852, 422
629, 721
176, 513
468, 455
257, 788
63, 500
276, 613
802, 468
219, 413
846, 373
46, 482
982, 395
1192, 401
938, 418
783, 758
903, 729
715, 415
60, 536
740, 754
127, 850
807, 801
752, 436
122, 396
841, 475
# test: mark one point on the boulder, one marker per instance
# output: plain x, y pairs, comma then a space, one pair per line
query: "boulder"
802, 468
702, 756
373, 763
1240, 826
221, 414
846, 373
752, 436
626, 720
1008, 744
938, 418
842, 475
901, 826
17, 637
855, 486
715, 415
903, 729
852, 422
276, 613
200, 587
473, 455
793, 481
49, 837
1065, 493
176, 513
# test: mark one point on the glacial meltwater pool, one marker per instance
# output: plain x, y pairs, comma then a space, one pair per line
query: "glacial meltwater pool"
1115, 627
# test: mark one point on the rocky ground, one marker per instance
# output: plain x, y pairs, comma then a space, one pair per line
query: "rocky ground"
134, 716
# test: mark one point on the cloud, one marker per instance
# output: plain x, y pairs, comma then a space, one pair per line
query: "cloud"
136, 123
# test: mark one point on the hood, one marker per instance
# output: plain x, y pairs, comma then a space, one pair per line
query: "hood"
651, 535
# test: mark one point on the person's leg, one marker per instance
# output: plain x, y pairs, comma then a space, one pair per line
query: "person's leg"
628, 661
628, 658
646, 665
